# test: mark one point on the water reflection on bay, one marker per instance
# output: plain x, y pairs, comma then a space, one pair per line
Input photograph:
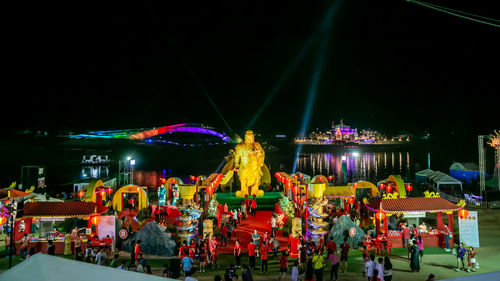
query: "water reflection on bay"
366, 166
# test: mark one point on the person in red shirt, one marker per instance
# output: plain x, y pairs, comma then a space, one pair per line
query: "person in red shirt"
192, 249
264, 250
223, 238
183, 250
254, 206
406, 235
265, 238
283, 264
237, 253
344, 253
137, 249
251, 255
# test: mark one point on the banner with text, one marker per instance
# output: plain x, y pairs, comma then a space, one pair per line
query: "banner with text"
468, 229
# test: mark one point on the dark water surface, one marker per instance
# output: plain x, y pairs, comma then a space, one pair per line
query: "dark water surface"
63, 160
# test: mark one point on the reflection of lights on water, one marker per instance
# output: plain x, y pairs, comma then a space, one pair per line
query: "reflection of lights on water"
344, 158
355, 154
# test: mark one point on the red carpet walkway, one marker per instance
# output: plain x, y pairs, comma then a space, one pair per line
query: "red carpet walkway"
262, 222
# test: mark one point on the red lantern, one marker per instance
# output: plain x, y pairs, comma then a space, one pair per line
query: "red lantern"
463, 213
174, 181
3, 220
380, 215
301, 176
192, 178
355, 184
330, 178
350, 200
277, 175
389, 188
382, 186
163, 180
95, 220
81, 194
409, 188
109, 191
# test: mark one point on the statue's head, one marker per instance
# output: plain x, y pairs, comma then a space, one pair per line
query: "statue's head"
249, 137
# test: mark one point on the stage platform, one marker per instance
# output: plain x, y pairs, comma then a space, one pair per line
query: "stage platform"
265, 202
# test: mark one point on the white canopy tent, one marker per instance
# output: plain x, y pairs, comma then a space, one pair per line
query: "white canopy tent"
440, 178
42, 267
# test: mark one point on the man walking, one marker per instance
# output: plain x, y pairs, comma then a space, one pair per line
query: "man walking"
318, 263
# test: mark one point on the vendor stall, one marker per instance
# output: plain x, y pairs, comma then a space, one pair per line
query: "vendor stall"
432, 236
39, 219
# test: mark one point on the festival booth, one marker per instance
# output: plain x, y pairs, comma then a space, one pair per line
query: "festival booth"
406, 208
38, 222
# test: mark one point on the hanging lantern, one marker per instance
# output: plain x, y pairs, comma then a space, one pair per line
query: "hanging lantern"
109, 191
380, 215
301, 176
350, 200
3, 220
330, 178
103, 193
174, 181
192, 178
81, 194
355, 184
381, 186
277, 175
95, 220
409, 188
463, 213
389, 188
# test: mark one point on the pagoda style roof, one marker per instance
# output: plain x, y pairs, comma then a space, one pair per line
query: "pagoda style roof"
14, 193
417, 204
60, 209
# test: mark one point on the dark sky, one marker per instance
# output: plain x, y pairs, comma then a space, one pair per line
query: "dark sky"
390, 65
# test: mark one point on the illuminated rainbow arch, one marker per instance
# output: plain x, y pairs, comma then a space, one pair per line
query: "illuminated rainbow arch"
185, 128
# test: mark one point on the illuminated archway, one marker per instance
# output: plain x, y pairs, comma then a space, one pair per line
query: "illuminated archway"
366, 184
400, 184
118, 197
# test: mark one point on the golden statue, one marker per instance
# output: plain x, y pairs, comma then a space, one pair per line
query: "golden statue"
249, 160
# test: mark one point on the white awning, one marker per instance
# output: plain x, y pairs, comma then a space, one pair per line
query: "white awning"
42, 267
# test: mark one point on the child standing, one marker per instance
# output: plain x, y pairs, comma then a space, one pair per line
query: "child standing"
420, 245
471, 259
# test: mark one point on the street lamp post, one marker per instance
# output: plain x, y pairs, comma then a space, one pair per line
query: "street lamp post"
131, 165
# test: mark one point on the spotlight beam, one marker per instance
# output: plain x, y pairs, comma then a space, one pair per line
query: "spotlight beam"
318, 69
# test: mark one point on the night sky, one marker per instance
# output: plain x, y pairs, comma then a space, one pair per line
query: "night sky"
390, 65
